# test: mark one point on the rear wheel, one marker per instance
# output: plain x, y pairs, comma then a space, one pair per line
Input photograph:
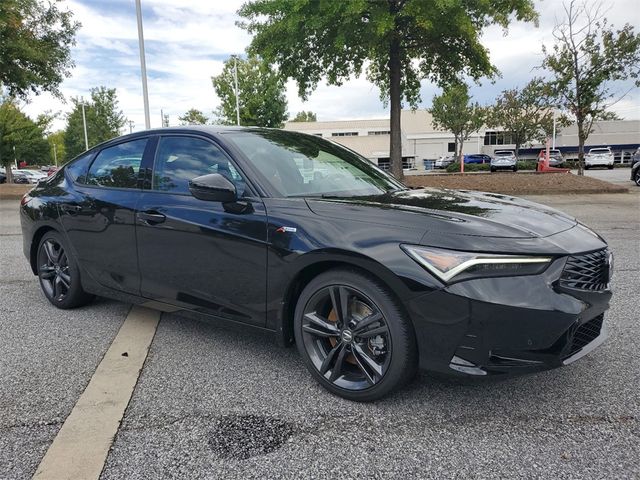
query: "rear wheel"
610, 167
515, 168
58, 273
353, 336
492, 169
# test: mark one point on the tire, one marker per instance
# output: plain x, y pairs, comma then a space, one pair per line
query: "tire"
356, 365
610, 167
515, 169
59, 274
636, 178
492, 169
587, 167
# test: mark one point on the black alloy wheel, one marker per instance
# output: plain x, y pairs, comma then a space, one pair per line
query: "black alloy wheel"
58, 273
355, 346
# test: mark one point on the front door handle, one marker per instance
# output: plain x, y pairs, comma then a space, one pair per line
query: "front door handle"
151, 217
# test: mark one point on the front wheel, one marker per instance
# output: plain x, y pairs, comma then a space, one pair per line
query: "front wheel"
59, 274
353, 336
637, 177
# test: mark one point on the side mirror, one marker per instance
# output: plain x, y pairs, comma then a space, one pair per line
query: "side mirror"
214, 188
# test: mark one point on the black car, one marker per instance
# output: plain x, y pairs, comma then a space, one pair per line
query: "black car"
635, 173
308, 241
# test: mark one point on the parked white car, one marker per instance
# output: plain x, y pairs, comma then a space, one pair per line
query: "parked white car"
33, 176
444, 162
599, 157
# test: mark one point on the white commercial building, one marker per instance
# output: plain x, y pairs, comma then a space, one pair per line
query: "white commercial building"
422, 143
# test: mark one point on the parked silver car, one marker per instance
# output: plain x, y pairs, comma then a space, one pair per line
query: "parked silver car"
504, 160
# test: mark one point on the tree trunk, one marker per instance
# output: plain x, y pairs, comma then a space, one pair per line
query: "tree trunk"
395, 98
581, 140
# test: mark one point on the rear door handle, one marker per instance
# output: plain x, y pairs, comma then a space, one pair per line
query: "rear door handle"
151, 217
70, 209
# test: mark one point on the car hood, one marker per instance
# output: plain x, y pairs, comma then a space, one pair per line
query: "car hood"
450, 212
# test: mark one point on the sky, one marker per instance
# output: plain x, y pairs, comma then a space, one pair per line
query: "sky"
186, 43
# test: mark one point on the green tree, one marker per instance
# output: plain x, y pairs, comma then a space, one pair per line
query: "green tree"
105, 120
35, 41
399, 42
261, 93
23, 139
453, 112
527, 113
305, 117
588, 61
193, 117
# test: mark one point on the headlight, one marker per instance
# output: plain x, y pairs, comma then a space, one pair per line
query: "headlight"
452, 265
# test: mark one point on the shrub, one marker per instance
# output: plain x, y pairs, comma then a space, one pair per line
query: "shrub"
468, 167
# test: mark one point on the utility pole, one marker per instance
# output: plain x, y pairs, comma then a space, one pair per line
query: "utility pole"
84, 124
131, 124
235, 78
143, 67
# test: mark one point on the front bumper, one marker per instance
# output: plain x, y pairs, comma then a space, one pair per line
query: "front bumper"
510, 325
503, 164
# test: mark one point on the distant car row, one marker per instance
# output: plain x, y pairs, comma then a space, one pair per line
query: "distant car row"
23, 175
506, 159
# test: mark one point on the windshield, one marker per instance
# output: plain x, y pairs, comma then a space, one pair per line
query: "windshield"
599, 150
298, 165
503, 153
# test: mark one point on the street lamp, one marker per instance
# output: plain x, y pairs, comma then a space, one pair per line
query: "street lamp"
84, 123
143, 67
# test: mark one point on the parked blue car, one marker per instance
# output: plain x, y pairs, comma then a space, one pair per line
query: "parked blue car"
477, 158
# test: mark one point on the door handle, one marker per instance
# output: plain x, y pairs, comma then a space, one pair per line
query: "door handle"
70, 209
151, 218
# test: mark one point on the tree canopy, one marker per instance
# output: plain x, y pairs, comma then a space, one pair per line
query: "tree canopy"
588, 61
305, 117
453, 112
193, 116
35, 42
105, 120
526, 113
22, 138
397, 42
261, 93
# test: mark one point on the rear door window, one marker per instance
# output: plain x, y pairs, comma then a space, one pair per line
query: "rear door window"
118, 166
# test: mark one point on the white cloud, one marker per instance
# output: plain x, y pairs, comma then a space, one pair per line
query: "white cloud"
187, 41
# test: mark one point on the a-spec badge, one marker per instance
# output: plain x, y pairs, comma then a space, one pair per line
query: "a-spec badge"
287, 229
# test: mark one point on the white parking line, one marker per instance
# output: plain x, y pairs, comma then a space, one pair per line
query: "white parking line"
80, 449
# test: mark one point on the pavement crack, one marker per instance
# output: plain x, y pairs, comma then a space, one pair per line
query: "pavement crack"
41, 423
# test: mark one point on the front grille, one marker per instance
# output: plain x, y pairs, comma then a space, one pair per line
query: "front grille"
586, 333
589, 271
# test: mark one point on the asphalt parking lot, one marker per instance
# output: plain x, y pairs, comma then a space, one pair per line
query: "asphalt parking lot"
212, 402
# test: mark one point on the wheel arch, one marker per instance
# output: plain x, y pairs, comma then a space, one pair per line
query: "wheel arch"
35, 242
318, 263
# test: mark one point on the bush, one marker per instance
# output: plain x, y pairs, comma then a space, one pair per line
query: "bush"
468, 167
485, 167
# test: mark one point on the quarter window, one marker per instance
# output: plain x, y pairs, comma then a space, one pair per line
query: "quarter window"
118, 166
181, 159
77, 169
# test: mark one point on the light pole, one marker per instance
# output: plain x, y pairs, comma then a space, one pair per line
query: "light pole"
235, 79
84, 123
143, 67
554, 128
